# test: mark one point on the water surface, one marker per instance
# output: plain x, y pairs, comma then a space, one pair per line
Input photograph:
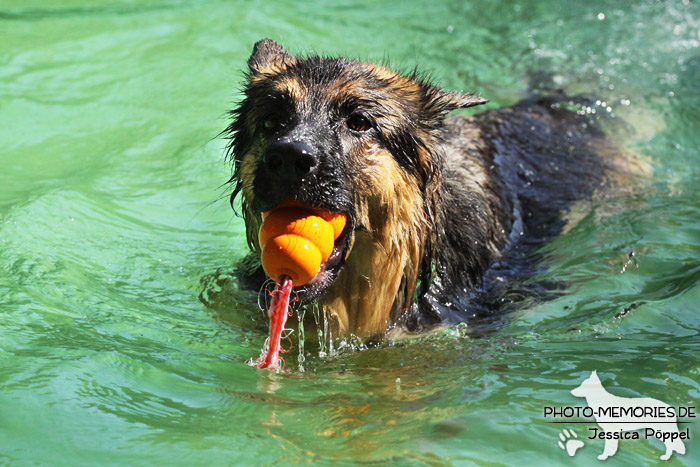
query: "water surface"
112, 210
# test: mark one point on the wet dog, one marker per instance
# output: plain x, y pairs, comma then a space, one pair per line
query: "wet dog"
432, 201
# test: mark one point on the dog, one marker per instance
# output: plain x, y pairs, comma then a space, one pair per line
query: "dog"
432, 202
597, 398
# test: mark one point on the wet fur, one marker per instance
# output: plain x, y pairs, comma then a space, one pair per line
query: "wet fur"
424, 192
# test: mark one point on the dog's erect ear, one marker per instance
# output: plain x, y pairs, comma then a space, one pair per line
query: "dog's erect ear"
268, 54
439, 103
454, 100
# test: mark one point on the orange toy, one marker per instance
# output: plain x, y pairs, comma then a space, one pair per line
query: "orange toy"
296, 240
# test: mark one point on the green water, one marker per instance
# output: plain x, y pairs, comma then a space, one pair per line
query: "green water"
110, 215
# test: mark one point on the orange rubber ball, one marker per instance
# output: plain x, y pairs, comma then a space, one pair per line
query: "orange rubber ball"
296, 240
292, 255
301, 222
335, 219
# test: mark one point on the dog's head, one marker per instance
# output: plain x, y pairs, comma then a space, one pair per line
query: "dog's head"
349, 137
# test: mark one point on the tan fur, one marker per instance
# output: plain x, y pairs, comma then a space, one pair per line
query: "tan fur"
402, 90
272, 68
291, 87
388, 254
249, 164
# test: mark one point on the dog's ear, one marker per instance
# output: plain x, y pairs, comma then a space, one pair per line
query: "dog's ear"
454, 100
268, 55
439, 103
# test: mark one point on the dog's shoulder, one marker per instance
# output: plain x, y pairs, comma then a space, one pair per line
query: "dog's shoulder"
506, 169
475, 197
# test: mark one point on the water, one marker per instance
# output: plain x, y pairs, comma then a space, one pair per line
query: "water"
110, 216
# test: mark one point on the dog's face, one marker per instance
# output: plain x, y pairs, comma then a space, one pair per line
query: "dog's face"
349, 137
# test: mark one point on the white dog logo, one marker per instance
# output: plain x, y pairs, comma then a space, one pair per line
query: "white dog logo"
616, 415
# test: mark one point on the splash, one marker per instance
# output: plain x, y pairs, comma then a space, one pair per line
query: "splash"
302, 337
279, 309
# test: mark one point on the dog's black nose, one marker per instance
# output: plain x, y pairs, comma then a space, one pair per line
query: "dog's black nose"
289, 160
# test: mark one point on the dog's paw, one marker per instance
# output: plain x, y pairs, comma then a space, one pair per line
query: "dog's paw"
568, 442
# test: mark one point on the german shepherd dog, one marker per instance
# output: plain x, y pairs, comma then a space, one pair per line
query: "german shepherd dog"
432, 201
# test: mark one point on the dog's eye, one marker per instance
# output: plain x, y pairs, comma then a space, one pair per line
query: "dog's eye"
358, 123
271, 122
